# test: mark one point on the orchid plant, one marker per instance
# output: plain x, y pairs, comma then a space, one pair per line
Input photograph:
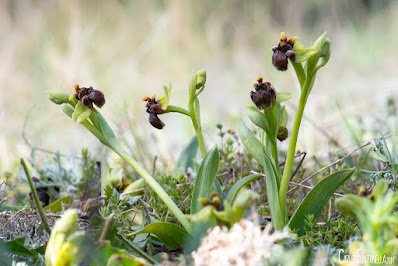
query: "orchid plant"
266, 111
270, 116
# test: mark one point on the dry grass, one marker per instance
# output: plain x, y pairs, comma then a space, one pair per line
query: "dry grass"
130, 49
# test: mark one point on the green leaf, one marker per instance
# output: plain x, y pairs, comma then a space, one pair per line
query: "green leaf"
185, 160
58, 97
283, 96
116, 176
205, 179
17, 247
300, 73
125, 260
262, 156
217, 188
316, 199
57, 205
81, 113
350, 204
67, 109
107, 131
240, 184
196, 107
170, 234
258, 118
279, 218
192, 86
254, 146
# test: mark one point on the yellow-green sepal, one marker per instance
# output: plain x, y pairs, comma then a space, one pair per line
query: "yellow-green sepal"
81, 113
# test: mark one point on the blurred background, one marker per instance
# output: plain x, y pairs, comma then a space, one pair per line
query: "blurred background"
129, 49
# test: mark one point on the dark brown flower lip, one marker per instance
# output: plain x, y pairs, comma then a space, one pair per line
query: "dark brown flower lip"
282, 52
155, 121
264, 95
88, 96
154, 109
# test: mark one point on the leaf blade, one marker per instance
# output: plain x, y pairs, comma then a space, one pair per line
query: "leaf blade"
185, 160
240, 184
318, 196
170, 234
205, 179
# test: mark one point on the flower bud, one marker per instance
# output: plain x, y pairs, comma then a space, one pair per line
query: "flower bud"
57, 97
326, 51
282, 133
67, 109
64, 245
200, 79
204, 201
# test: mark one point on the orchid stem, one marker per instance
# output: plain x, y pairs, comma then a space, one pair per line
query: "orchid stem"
198, 129
176, 109
293, 142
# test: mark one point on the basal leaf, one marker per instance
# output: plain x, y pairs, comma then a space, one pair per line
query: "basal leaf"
240, 184
125, 260
57, 205
205, 179
260, 153
17, 247
256, 148
316, 199
185, 160
170, 234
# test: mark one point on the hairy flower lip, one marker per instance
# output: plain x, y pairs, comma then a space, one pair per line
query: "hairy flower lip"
88, 96
154, 109
283, 52
155, 121
264, 95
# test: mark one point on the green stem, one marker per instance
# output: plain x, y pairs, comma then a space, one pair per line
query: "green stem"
136, 249
35, 197
198, 129
156, 187
172, 108
293, 142
274, 150
95, 132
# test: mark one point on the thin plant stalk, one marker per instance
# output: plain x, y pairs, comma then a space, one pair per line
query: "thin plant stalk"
198, 129
35, 197
177, 109
293, 142
157, 188
145, 175
139, 251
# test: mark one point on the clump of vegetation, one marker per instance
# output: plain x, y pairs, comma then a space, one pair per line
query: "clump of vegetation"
154, 216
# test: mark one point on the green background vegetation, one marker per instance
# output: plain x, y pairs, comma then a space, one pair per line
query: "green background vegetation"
129, 49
